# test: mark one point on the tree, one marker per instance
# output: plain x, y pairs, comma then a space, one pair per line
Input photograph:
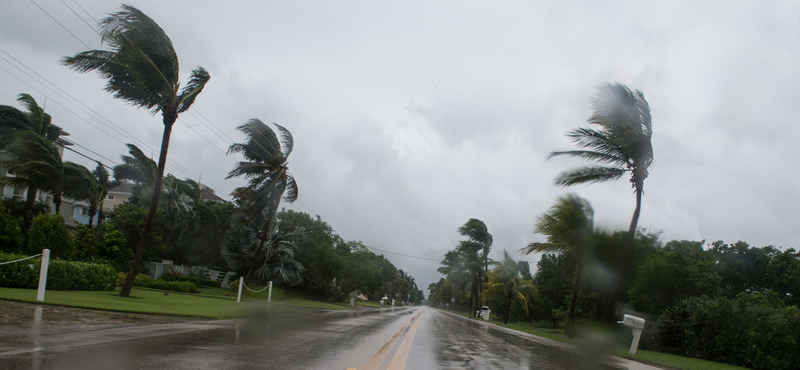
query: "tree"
36, 160
568, 227
136, 167
13, 121
621, 145
476, 231
277, 259
505, 281
141, 67
266, 167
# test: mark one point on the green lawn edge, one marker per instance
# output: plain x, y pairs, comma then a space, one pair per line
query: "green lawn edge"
644, 356
211, 305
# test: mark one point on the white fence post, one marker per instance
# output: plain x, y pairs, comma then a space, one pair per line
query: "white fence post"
43, 274
269, 298
241, 284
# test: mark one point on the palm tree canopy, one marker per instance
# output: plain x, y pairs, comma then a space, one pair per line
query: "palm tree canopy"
36, 160
568, 226
136, 167
264, 165
476, 231
35, 119
141, 66
621, 144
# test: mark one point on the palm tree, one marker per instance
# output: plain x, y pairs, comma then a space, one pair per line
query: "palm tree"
568, 227
505, 281
13, 121
476, 231
142, 68
266, 169
36, 160
103, 185
136, 167
621, 145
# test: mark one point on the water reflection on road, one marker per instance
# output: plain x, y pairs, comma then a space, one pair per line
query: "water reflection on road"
468, 344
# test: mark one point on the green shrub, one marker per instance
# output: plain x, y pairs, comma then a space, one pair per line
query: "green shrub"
61, 275
115, 249
754, 331
85, 243
171, 275
145, 281
49, 232
200, 281
11, 236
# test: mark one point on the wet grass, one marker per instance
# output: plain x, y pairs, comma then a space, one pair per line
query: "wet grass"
140, 301
212, 303
643, 356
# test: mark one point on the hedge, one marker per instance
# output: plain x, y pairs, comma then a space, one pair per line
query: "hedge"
177, 286
61, 275
754, 331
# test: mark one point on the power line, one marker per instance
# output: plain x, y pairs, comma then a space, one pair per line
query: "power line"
115, 127
198, 134
59, 23
81, 18
404, 255
227, 142
212, 124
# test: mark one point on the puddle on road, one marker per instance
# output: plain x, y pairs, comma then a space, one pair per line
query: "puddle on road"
18, 318
476, 346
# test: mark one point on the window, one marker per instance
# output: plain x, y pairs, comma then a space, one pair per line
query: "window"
19, 191
110, 197
84, 211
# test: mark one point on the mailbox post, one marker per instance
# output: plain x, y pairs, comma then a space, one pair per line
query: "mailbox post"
637, 325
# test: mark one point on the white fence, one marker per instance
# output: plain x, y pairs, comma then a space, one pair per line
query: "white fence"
156, 269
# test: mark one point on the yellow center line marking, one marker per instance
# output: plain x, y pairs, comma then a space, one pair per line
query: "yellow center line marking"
400, 358
377, 359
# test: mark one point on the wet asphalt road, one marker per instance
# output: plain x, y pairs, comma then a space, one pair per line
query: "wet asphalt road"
49, 337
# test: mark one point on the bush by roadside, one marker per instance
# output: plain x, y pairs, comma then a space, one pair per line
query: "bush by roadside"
61, 275
754, 330
176, 286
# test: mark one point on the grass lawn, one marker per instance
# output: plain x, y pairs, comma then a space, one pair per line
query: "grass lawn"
200, 305
643, 356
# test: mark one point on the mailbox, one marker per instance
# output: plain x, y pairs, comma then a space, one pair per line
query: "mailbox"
485, 312
637, 325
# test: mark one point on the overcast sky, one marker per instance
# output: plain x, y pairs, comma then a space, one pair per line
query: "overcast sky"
410, 118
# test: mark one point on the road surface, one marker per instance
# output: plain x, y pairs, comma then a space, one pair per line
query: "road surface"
50, 337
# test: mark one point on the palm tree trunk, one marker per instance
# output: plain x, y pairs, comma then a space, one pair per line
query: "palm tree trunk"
31, 195
509, 308
257, 256
558, 288
57, 202
612, 300
98, 231
571, 323
92, 212
127, 286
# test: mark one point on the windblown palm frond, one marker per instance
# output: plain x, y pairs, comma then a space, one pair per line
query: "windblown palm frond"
136, 167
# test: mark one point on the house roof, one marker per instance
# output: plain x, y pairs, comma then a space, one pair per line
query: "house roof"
124, 188
208, 195
127, 188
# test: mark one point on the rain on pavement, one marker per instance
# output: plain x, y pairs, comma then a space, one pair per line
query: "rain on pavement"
52, 337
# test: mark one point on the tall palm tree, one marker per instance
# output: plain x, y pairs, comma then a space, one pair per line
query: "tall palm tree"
621, 145
36, 160
141, 67
476, 231
266, 169
568, 227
